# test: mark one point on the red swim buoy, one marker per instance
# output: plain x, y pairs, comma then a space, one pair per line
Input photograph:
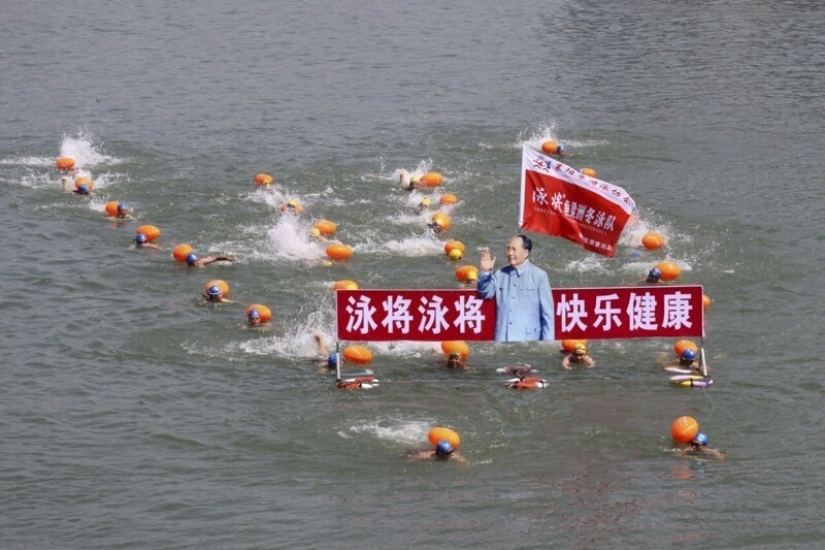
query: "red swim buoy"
149, 231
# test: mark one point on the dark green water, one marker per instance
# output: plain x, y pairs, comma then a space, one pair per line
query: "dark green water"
133, 417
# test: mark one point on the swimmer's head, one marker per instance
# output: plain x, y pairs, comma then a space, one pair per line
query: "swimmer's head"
689, 355
654, 274
701, 439
83, 189
332, 360
292, 204
214, 291
253, 315
140, 239
454, 357
580, 349
315, 232
122, 208
191, 259
425, 203
443, 448
560, 149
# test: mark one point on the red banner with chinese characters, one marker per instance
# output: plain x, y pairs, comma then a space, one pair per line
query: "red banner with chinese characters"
560, 201
415, 315
650, 311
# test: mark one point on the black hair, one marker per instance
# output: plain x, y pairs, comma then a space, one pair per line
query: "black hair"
525, 240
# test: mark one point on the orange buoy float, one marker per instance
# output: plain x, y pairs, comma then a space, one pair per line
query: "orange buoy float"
64, 163
451, 245
83, 180
589, 172
680, 346
670, 271
220, 283
262, 180
149, 231
181, 251
339, 251
357, 354
264, 314
570, 345
431, 179
463, 273
529, 383
706, 301
684, 429
653, 241
439, 434
345, 285
442, 219
325, 227
448, 200
115, 208
452, 346
550, 147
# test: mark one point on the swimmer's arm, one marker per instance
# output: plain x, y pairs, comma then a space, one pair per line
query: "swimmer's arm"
590, 362
716, 454
565, 363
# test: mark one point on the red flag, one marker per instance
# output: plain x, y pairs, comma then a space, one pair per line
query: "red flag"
560, 201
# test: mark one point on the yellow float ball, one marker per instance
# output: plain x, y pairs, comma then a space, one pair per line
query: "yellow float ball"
459, 346
454, 245
345, 285
263, 179
589, 172
438, 434
111, 208
149, 231
442, 219
670, 271
181, 251
448, 200
680, 346
357, 354
570, 345
653, 241
264, 313
549, 147
325, 227
432, 179
220, 283
83, 180
64, 163
339, 251
684, 429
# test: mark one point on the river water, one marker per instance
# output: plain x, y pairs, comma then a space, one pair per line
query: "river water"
132, 416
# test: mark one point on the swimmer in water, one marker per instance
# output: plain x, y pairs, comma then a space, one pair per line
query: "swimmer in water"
454, 362
123, 212
654, 277
698, 448
214, 295
83, 190
142, 242
253, 316
688, 363
315, 233
194, 261
443, 451
579, 355
424, 204
326, 361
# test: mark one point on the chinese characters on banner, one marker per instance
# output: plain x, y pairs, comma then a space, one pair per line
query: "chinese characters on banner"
592, 313
417, 315
560, 201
